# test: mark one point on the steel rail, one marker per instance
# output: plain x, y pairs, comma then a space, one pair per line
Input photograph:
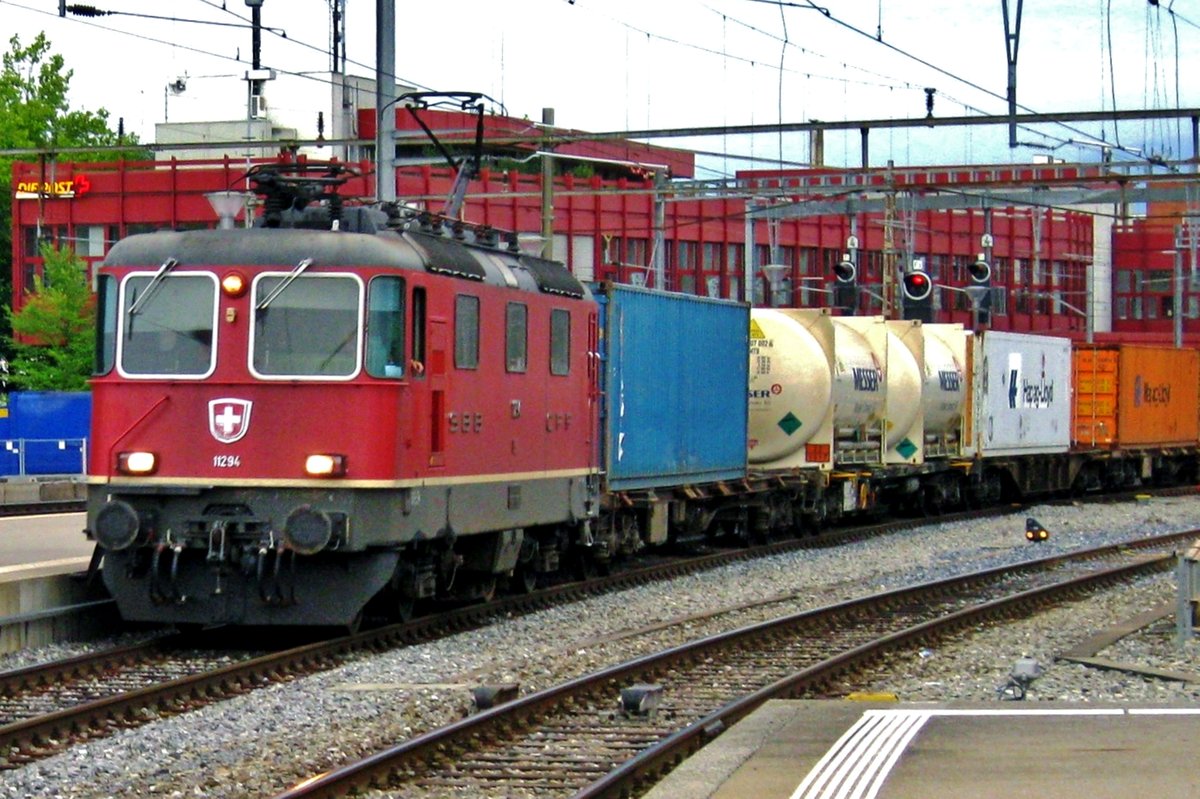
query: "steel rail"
412, 756
41, 735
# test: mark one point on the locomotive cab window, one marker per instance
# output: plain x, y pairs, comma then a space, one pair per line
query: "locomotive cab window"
418, 332
466, 332
516, 343
106, 324
560, 342
168, 323
385, 327
306, 326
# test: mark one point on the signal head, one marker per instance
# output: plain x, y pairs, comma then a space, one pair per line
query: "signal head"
845, 271
980, 272
917, 285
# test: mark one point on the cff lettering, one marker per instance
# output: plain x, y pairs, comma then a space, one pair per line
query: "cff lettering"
950, 381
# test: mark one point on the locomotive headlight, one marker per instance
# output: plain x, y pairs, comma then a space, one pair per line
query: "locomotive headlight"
233, 284
325, 465
137, 462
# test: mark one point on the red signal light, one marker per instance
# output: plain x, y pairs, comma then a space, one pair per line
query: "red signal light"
917, 285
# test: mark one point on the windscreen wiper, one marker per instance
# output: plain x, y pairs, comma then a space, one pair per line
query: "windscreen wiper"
283, 284
153, 285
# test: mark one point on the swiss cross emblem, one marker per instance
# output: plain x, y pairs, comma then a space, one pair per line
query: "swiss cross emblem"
228, 419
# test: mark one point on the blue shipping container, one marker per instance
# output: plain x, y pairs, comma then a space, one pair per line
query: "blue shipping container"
675, 387
45, 432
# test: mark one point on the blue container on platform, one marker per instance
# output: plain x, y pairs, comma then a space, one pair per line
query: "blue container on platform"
45, 433
675, 383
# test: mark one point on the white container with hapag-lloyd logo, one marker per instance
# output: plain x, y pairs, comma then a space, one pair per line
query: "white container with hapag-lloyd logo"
1022, 391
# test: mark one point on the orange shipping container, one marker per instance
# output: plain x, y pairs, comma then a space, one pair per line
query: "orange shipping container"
1131, 396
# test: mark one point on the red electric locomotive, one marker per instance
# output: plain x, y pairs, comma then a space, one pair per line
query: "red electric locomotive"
293, 420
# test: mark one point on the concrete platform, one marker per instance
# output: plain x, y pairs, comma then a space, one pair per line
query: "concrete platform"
42, 559
1000, 750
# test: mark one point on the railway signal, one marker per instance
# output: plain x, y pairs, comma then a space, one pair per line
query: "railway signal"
1034, 531
917, 287
980, 289
845, 287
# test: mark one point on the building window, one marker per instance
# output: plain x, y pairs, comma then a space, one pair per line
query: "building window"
712, 256
466, 331
515, 345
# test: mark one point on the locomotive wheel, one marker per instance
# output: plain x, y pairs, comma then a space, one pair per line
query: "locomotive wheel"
524, 580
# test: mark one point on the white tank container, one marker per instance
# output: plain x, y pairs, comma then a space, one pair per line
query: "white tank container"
945, 395
894, 417
790, 384
858, 377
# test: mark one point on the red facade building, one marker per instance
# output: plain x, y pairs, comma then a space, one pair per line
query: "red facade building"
605, 229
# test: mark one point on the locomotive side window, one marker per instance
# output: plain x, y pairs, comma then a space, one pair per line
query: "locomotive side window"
167, 324
515, 337
466, 332
306, 326
418, 331
560, 342
385, 327
106, 324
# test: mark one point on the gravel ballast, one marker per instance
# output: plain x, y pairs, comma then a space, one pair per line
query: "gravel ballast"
262, 742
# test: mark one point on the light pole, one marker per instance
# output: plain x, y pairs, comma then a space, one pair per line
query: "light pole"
774, 275
175, 87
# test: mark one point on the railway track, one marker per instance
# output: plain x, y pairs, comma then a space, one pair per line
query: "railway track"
46, 708
609, 733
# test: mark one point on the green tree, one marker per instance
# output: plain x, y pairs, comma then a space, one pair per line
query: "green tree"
56, 328
35, 115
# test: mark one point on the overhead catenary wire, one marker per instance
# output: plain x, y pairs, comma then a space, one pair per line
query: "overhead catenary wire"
317, 78
825, 12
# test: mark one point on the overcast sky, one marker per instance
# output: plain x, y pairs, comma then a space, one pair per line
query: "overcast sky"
634, 64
